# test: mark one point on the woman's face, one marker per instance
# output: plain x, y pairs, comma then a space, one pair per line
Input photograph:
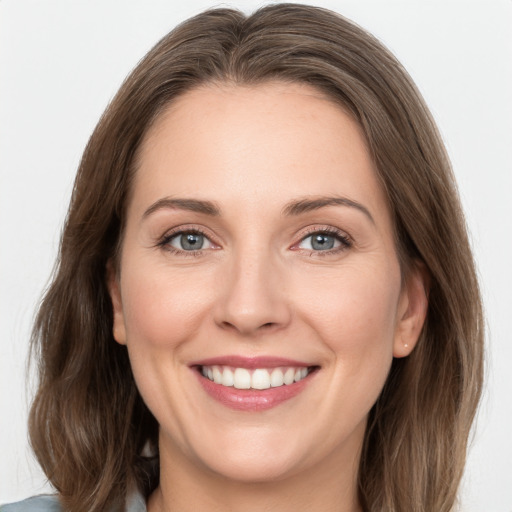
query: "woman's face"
259, 251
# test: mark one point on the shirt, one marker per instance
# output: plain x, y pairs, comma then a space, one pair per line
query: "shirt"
49, 503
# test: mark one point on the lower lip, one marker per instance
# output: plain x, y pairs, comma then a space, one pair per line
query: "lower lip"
252, 399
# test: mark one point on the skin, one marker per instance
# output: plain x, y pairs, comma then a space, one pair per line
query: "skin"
258, 288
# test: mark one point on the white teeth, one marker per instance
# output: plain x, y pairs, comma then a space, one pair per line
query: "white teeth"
276, 378
242, 378
217, 375
300, 373
261, 378
289, 376
227, 377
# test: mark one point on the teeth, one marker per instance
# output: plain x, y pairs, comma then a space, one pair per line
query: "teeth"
276, 378
289, 376
227, 378
261, 378
242, 378
217, 375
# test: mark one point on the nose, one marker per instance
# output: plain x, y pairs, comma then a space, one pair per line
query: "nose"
252, 298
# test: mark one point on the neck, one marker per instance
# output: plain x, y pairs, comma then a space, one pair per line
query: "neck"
328, 486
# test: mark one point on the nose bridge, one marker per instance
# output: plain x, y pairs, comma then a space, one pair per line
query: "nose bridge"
253, 298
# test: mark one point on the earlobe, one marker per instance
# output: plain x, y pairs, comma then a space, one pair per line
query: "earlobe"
118, 327
412, 310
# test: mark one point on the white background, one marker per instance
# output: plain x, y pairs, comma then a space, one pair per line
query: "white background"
62, 60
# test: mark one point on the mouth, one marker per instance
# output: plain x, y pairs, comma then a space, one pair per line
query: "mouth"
257, 384
259, 378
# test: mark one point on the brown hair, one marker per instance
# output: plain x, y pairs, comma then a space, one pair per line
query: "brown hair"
88, 424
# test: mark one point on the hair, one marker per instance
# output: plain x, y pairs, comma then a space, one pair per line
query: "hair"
89, 427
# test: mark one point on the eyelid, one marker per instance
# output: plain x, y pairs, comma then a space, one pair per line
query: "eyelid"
346, 241
178, 237
164, 240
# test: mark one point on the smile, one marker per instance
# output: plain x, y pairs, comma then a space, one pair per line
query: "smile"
253, 384
259, 378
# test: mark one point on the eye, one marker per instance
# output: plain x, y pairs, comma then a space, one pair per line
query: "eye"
188, 241
324, 241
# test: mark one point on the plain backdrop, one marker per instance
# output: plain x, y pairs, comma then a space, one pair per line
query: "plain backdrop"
61, 61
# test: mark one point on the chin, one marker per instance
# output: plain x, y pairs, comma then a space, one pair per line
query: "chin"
255, 470
252, 455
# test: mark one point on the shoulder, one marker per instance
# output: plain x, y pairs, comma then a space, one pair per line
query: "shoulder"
49, 503
35, 504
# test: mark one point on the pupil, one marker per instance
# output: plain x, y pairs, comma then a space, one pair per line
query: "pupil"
191, 241
322, 242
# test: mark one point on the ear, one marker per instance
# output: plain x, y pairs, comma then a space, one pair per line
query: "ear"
119, 329
412, 310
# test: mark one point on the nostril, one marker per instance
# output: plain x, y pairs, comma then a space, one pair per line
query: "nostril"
227, 325
266, 327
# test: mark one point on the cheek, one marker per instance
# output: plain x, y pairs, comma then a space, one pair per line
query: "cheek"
163, 307
352, 313
355, 314
163, 311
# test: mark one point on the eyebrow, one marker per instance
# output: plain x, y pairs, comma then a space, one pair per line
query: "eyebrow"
307, 205
192, 205
291, 209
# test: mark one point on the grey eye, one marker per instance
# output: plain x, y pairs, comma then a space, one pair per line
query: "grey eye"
320, 242
189, 241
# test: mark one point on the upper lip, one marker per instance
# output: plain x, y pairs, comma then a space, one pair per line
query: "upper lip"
250, 362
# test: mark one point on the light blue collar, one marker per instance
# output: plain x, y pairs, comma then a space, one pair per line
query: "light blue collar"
50, 503
136, 503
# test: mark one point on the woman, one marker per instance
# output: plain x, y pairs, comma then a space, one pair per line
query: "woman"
265, 296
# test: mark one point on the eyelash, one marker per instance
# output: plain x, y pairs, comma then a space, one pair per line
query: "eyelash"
165, 242
345, 241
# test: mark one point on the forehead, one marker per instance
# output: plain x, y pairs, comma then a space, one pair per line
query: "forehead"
265, 142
